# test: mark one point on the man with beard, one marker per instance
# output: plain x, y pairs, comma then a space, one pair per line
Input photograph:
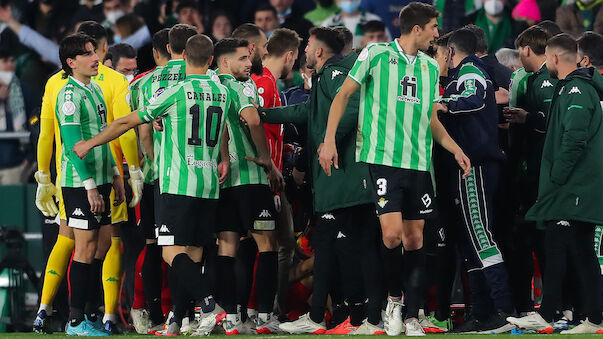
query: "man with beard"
257, 45
282, 50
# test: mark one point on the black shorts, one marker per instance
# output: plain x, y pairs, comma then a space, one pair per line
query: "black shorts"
357, 224
403, 190
186, 221
78, 211
246, 208
147, 212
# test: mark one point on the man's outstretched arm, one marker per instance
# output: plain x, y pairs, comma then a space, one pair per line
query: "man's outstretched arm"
113, 131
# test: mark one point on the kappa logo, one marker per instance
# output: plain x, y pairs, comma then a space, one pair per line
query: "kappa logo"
393, 61
382, 202
265, 214
164, 229
426, 199
546, 83
574, 89
78, 212
340, 235
563, 223
335, 73
328, 216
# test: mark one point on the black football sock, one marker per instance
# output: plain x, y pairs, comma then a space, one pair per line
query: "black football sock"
226, 283
267, 272
152, 281
392, 262
414, 264
94, 290
79, 273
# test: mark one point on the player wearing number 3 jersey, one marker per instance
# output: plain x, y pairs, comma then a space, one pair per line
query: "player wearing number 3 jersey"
189, 175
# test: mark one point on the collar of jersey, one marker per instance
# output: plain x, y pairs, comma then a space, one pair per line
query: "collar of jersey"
404, 55
82, 85
176, 62
198, 76
227, 75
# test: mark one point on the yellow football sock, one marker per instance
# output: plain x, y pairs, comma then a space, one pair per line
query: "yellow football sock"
55, 269
112, 276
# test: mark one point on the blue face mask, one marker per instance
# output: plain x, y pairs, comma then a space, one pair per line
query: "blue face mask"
116, 39
349, 6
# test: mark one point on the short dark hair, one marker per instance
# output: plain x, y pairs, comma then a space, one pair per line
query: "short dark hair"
416, 13
463, 41
128, 24
72, 46
199, 49
178, 36
564, 42
550, 27
228, 46
94, 30
247, 31
330, 37
118, 51
374, 26
591, 45
282, 41
535, 37
160, 41
187, 4
6, 53
480, 37
442, 41
346, 36
265, 7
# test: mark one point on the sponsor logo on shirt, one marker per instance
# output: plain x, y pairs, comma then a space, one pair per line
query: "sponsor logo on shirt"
335, 73
546, 83
408, 86
191, 161
574, 90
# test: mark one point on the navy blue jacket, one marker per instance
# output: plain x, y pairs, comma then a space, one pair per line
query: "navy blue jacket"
472, 117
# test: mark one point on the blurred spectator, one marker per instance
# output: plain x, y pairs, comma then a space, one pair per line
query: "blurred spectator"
374, 31
89, 10
188, 13
122, 58
584, 15
126, 26
291, 17
353, 18
348, 40
389, 11
590, 50
113, 10
453, 13
266, 18
527, 11
509, 58
12, 119
221, 26
495, 20
323, 10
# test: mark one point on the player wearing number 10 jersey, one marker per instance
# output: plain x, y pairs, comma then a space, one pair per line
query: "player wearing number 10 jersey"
396, 124
189, 175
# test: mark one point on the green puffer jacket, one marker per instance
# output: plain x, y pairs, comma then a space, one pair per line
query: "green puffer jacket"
350, 185
571, 174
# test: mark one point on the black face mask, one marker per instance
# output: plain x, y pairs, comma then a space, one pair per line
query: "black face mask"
580, 62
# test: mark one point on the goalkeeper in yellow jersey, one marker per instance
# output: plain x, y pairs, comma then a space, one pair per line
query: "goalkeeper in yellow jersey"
115, 89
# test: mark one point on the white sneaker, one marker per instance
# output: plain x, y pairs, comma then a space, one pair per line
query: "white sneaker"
249, 327
392, 319
413, 328
532, 321
188, 326
140, 320
304, 325
367, 328
232, 324
267, 324
205, 325
428, 326
586, 327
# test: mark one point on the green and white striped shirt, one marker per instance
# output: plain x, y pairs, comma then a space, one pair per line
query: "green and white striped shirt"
83, 106
193, 112
396, 101
240, 144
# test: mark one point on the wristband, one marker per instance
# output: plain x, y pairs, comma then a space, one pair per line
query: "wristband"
116, 171
89, 184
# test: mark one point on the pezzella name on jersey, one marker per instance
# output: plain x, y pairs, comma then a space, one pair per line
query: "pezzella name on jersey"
206, 96
190, 161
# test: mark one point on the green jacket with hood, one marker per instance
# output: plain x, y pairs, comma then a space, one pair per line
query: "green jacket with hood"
571, 180
350, 185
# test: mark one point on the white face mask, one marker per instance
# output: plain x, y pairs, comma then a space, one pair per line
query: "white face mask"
494, 7
6, 77
113, 16
307, 80
130, 77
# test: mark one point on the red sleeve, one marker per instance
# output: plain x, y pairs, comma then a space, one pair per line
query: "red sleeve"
265, 91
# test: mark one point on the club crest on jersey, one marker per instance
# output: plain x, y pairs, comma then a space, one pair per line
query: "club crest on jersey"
408, 86
574, 90
68, 108
261, 90
248, 91
363, 55
156, 95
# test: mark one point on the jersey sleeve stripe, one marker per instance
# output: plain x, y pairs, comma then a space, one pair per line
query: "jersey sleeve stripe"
353, 78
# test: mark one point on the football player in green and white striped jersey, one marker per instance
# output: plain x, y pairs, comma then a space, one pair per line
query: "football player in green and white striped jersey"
246, 204
396, 125
86, 182
193, 162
